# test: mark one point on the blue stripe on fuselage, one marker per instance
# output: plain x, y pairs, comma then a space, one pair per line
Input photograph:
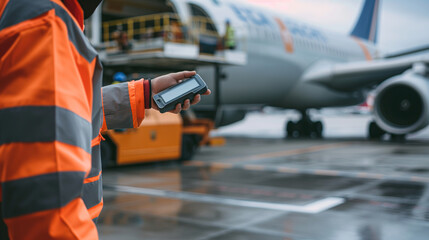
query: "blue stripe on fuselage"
257, 18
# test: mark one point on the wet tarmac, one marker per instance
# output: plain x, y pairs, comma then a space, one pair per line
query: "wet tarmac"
339, 188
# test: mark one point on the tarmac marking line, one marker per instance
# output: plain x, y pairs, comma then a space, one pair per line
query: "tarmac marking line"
195, 163
254, 167
370, 175
287, 170
325, 172
290, 152
221, 165
311, 208
419, 179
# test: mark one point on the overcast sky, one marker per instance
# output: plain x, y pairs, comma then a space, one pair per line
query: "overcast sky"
404, 24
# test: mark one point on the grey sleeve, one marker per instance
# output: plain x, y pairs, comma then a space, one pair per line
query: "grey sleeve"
117, 106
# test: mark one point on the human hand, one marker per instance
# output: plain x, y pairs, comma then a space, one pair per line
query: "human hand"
166, 81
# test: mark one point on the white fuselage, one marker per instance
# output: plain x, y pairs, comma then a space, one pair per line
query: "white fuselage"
279, 51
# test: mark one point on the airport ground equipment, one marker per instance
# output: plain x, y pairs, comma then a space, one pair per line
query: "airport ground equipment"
160, 137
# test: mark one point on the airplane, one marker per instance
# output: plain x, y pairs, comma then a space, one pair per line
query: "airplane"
293, 65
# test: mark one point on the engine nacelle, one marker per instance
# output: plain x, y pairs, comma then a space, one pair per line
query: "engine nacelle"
401, 105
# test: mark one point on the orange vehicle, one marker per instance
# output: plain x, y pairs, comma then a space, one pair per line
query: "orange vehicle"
160, 137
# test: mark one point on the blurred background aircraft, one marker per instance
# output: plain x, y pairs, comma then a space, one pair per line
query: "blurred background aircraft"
281, 61
314, 68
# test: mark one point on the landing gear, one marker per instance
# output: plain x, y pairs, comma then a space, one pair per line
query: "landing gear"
304, 128
190, 144
397, 137
376, 133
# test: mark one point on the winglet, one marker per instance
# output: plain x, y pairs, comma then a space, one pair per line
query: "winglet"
367, 25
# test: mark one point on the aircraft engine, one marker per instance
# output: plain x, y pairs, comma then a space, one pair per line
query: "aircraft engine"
401, 105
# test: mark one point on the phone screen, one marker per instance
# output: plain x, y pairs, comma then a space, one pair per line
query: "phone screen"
179, 90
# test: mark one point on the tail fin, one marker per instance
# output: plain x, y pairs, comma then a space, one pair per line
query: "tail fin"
367, 25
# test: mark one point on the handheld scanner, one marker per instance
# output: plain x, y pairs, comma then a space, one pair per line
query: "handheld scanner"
167, 99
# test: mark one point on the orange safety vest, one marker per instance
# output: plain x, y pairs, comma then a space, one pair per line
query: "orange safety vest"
52, 109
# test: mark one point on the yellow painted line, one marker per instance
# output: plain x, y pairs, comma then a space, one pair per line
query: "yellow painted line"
419, 179
287, 170
290, 152
221, 165
370, 175
326, 172
254, 167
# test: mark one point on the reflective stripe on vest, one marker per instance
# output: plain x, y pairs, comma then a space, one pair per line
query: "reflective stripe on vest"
48, 191
54, 124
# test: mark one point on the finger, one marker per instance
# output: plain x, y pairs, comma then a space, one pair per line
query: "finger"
187, 104
196, 99
177, 109
208, 92
182, 75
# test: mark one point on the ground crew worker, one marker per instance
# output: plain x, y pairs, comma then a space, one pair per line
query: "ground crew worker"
229, 38
176, 34
121, 38
119, 77
52, 108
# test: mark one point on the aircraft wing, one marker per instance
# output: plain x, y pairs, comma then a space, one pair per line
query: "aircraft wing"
356, 75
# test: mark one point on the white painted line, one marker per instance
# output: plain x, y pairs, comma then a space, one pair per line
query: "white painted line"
311, 208
323, 204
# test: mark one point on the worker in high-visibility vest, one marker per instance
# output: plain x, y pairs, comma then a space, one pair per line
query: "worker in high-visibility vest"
229, 38
52, 109
119, 77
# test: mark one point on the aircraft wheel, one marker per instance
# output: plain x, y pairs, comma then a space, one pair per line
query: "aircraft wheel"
291, 131
397, 137
302, 129
374, 131
318, 129
189, 147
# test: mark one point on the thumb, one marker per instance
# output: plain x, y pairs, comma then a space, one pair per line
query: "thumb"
182, 75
